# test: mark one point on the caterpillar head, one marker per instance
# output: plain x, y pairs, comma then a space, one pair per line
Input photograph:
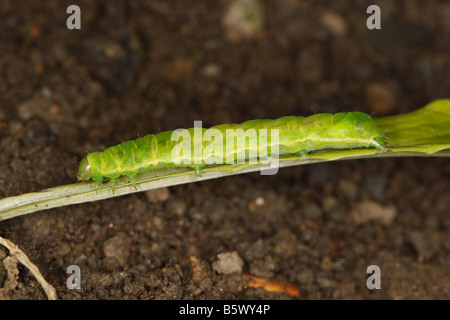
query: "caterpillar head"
84, 170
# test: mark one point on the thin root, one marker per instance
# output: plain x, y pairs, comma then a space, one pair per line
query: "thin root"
19, 255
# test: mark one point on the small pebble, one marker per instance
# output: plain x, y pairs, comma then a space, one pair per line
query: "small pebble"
372, 211
380, 98
118, 248
329, 203
426, 246
334, 23
158, 195
229, 262
243, 19
37, 106
211, 70
312, 211
179, 70
348, 188
259, 201
305, 277
177, 206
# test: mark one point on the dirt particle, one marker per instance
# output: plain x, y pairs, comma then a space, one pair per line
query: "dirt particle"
177, 206
253, 251
259, 201
158, 195
37, 106
305, 277
179, 70
424, 244
243, 19
334, 23
211, 70
312, 211
348, 188
265, 268
371, 211
376, 186
117, 248
329, 203
326, 283
380, 98
199, 268
229, 262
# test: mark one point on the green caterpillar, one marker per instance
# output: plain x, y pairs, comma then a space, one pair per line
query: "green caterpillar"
295, 135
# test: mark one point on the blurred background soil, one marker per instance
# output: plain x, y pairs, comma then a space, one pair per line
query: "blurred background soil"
140, 67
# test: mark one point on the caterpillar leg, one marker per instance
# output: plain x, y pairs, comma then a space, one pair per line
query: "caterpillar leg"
98, 181
133, 182
302, 153
197, 169
97, 186
113, 184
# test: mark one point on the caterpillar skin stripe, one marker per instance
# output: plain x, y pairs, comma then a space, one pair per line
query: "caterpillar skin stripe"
297, 135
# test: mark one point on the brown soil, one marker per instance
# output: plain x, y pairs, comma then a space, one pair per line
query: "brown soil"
139, 67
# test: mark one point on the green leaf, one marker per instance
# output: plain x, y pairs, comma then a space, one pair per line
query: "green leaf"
424, 130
